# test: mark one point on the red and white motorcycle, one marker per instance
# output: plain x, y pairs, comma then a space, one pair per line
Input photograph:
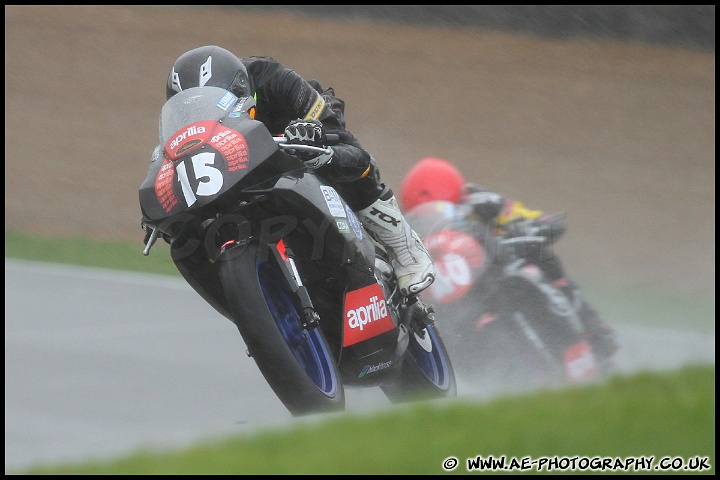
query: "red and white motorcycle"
503, 322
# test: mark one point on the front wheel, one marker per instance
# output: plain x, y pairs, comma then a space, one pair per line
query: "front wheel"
296, 362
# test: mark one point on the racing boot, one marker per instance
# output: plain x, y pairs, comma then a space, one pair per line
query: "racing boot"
413, 266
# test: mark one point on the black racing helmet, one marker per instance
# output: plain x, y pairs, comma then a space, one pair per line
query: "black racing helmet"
209, 65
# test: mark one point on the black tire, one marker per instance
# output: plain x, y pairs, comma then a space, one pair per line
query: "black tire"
297, 363
520, 349
489, 359
537, 365
426, 371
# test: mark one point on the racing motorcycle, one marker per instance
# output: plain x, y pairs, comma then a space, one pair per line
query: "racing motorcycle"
276, 250
506, 324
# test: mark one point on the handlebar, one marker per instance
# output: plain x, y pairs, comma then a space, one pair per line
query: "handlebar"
282, 143
523, 240
332, 139
150, 238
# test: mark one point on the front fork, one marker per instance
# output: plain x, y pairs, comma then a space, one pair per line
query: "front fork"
284, 256
418, 315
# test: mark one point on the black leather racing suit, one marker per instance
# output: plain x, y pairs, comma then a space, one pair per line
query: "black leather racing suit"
283, 95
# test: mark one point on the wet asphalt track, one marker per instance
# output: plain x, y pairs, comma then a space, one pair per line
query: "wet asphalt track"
100, 363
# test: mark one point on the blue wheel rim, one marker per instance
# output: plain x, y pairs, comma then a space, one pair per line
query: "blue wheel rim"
432, 364
307, 346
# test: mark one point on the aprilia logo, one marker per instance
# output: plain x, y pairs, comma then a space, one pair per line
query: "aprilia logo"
366, 314
361, 316
188, 139
192, 130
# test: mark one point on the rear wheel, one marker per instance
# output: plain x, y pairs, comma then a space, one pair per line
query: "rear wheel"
296, 362
426, 371
538, 364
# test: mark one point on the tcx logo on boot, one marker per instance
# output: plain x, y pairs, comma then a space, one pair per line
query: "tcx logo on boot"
366, 314
384, 217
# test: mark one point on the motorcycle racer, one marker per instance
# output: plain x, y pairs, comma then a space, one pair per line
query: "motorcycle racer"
433, 179
305, 113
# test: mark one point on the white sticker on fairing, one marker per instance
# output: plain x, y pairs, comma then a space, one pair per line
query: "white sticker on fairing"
342, 226
334, 202
226, 101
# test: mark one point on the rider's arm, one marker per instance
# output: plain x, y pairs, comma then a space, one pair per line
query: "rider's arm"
513, 210
283, 96
511, 216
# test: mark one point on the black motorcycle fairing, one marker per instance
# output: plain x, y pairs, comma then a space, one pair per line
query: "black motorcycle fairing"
275, 249
344, 243
205, 155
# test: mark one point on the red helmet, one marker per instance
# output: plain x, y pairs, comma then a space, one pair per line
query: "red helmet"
431, 179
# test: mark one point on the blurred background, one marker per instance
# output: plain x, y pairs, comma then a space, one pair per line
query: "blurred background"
606, 113
678, 25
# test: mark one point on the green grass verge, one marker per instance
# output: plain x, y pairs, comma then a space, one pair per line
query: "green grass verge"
645, 415
116, 255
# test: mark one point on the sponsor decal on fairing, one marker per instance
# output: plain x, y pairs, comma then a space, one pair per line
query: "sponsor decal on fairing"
164, 186
188, 138
333, 201
232, 146
226, 101
342, 225
366, 314
368, 369
355, 224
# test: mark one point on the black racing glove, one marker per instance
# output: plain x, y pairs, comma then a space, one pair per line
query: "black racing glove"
486, 204
551, 226
311, 133
306, 132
